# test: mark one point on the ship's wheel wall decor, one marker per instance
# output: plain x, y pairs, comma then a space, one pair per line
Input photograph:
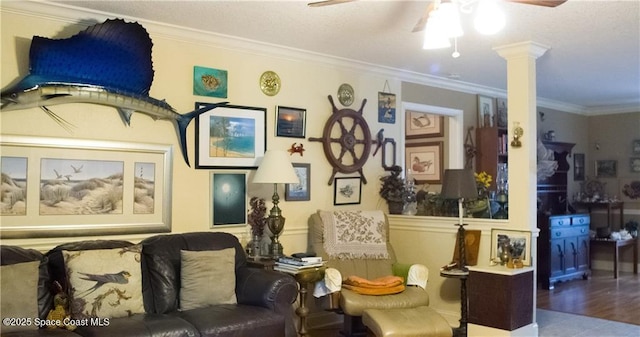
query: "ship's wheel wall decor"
346, 140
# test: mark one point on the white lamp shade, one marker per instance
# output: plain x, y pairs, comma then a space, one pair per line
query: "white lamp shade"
276, 168
489, 18
450, 18
434, 38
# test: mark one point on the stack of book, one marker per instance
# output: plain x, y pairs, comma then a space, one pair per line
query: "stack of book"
293, 265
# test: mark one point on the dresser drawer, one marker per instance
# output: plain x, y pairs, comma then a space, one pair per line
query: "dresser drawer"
581, 219
565, 232
560, 221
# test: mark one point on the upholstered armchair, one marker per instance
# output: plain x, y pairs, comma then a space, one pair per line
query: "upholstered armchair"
356, 243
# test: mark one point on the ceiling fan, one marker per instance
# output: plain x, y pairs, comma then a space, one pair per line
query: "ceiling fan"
422, 22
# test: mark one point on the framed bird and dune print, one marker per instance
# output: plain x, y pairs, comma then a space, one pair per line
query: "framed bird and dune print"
425, 161
74, 187
423, 125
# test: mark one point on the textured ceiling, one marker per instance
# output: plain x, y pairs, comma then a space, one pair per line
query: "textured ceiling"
593, 63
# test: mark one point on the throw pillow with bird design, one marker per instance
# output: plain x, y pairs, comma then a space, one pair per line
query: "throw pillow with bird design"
105, 283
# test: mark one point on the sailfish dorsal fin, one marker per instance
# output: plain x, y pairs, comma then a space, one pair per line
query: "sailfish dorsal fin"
114, 54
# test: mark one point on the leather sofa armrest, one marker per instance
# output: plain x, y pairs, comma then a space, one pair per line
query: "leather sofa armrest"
266, 288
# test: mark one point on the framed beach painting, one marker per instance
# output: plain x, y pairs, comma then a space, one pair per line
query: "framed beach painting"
230, 137
76, 187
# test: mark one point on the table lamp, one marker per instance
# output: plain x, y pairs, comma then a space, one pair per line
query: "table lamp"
459, 184
276, 168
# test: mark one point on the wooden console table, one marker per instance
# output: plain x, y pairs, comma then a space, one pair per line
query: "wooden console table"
609, 206
615, 245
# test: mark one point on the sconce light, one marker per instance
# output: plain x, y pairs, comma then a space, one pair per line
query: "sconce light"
517, 133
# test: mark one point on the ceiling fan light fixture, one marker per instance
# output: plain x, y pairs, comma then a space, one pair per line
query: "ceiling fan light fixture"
489, 17
450, 18
433, 33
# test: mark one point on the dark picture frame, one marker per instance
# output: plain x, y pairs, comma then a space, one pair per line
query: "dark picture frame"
228, 198
634, 164
486, 111
347, 191
423, 125
606, 168
302, 190
578, 167
425, 160
502, 114
386, 108
291, 122
230, 136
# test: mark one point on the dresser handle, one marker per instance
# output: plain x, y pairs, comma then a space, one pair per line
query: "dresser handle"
558, 233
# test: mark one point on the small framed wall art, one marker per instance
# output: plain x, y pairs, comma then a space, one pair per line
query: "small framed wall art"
209, 82
228, 201
423, 125
578, 167
302, 190
386, 108
290, 122
425, 161
486, 112
606, 168
347, 191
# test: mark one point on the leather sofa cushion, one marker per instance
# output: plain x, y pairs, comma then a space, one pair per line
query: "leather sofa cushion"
230, 320
13, 254
142, 325
161, 264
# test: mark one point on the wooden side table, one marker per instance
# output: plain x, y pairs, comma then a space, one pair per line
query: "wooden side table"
304, 278
462, 275
615, 245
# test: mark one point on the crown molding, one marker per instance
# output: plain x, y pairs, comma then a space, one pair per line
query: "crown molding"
82, 16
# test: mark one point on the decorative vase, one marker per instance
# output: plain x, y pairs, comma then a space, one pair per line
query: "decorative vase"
395, 207
505, 253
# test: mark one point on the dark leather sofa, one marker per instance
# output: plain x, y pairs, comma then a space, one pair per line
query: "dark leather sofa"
264, 297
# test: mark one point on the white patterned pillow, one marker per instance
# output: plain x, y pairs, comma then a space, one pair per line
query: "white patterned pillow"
105, 283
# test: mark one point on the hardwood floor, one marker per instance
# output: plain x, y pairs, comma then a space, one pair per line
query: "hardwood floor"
601, 296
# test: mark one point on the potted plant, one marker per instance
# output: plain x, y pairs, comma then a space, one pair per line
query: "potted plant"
393, 190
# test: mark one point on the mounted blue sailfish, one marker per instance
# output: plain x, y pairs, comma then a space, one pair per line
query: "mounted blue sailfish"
108, 64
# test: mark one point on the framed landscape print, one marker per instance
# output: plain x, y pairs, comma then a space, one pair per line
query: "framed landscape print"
230, 137
606, 168
74, 187
228, 205
423, 125
347, 191
290, 122
425, 161
302, 190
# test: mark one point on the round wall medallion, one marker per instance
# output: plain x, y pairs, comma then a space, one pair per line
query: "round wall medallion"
345, 94
270, 83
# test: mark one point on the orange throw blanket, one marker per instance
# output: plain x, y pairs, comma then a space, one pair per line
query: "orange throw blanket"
385, 285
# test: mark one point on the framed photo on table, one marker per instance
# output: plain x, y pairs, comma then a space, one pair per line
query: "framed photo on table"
290, 122
230, 136
423, 125
425, 161
520, 242
302, 190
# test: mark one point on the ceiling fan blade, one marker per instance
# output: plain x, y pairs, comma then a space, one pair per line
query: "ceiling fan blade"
327, 3
546, 3
422, 22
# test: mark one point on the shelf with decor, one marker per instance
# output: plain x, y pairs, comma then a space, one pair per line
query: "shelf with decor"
492, 144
